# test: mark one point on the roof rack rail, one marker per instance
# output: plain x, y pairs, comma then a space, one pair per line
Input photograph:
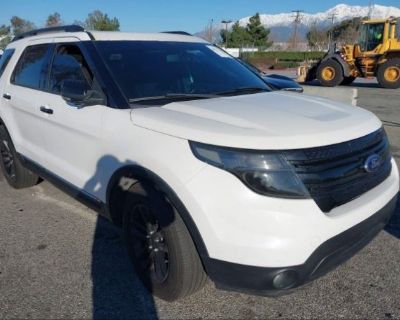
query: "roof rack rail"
70, 28
184, 33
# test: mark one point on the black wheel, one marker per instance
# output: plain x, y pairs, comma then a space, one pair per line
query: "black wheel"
389, 74
347, 81
15, 173
330, 73
163, 253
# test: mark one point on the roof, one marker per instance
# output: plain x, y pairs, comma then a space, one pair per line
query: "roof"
82, 34
112, 35
372, 21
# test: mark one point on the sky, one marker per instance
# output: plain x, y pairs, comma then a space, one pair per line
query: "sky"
163, 15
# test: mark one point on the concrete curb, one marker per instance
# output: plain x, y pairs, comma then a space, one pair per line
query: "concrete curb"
340, 94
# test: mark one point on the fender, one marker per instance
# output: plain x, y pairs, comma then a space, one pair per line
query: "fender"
339, 59
393, 54
136, 172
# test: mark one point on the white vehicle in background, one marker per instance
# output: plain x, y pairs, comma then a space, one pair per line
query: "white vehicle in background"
209, 174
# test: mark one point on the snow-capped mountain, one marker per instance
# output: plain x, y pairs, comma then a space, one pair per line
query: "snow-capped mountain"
281, 24
341, 12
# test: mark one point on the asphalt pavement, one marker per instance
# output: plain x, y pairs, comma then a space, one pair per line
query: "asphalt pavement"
59, 260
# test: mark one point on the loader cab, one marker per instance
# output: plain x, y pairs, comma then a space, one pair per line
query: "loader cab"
372, 35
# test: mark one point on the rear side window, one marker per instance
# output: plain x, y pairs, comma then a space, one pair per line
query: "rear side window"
30, 70
5, 59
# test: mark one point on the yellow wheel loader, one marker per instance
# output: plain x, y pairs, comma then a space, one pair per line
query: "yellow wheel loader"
377, 54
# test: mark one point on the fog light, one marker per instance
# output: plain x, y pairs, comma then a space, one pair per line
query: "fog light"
285, 280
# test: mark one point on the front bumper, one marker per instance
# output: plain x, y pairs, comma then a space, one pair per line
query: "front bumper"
329, 255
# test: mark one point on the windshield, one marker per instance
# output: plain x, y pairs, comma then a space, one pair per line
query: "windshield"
371, 35
174, 70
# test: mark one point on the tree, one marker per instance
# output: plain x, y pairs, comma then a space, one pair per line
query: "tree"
258, 33
238, 37
346, 32
317, 37
54, 20
5, 36
254, 34
19, 25
97, 20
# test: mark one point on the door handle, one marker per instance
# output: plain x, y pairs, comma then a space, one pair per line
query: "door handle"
6, 96
46, 110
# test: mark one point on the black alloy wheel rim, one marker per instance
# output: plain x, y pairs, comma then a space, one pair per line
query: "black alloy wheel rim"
148, 243
7, 159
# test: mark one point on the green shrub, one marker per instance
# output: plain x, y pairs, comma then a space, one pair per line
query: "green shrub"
280, 59
285, 55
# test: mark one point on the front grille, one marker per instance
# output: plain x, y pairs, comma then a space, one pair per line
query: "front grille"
336, 174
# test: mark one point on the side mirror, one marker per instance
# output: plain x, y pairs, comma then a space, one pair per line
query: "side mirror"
78, 93
297, 90
73, 90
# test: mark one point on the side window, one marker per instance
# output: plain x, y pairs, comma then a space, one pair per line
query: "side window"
69, 64
30, 70
5, 59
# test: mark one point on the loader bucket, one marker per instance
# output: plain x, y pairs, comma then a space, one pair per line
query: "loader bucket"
307, 73
302, 72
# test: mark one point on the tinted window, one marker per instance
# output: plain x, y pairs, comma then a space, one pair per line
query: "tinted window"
5, 58
371, 36
156, 68
69, 64
30, 70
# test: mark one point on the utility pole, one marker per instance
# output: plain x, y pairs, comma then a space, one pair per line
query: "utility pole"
211, 30
370, 9
226, 22
296, 23
332, 18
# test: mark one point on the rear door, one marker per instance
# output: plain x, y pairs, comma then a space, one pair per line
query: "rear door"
23, 95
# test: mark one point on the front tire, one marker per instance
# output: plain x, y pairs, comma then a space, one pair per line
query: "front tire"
389, 74
15, 173
330, 73
163, 253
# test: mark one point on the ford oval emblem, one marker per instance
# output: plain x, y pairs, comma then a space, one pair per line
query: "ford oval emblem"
373, 163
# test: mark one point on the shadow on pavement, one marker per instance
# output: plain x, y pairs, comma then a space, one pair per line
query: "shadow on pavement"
117, 292
365, 85
315, 83
393, 226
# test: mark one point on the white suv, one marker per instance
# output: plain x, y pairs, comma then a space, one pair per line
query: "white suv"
207, 171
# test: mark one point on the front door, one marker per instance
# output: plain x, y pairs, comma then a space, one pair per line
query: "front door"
73, 133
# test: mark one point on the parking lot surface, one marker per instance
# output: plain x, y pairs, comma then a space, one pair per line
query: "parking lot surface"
59, 260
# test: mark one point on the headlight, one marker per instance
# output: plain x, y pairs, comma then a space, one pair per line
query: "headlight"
266, 173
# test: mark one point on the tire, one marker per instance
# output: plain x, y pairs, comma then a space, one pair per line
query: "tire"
388, 74
180, 272
347, 81
330, 73
15, 173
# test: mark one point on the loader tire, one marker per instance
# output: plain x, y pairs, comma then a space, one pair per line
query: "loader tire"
388, 74
330, 73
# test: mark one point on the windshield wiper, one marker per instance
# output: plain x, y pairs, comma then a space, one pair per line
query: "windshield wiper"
244, 90
172, 96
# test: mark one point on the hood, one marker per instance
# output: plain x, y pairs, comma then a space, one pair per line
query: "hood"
269, 121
